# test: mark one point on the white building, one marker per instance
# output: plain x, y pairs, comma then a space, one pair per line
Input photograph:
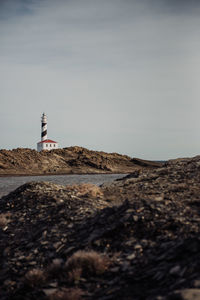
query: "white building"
45, 144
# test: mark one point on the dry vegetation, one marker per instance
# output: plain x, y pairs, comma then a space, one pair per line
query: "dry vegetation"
82, 264
54, 270
66, 294
34, 277
86, 263
85, 190
4, 219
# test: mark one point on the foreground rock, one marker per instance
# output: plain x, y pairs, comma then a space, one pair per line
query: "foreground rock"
75, 160
136, 238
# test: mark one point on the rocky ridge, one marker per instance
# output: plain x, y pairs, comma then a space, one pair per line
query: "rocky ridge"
71, 160
143, 230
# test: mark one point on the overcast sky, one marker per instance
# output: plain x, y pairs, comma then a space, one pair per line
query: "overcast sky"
113, 75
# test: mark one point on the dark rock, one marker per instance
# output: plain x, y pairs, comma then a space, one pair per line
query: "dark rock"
186, 294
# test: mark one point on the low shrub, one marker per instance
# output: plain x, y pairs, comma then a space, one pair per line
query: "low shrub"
4, 219
86, 190
54, 270
66, 294
85, 263
35, 277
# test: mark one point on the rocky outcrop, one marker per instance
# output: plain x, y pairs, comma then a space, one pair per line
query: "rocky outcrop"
136, 238
70, 160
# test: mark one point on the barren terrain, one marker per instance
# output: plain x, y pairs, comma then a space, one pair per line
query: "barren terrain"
71, 160
135, 238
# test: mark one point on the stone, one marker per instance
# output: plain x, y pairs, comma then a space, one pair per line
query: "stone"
131, 256
159, 198
196, 283
50, 291
175, 270
135, 218
188, 294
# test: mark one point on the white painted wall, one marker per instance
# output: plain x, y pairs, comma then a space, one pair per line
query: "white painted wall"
46, 146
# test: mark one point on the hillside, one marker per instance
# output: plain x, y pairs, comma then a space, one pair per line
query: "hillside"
72, 160
132, 239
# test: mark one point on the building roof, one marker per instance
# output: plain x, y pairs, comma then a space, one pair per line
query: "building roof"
47, 141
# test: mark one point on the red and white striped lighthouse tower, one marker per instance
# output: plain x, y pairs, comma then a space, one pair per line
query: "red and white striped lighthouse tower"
45, 144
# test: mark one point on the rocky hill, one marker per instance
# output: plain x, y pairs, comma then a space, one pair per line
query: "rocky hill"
70, 160
136, 238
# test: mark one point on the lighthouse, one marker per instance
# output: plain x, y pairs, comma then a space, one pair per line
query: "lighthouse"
44, 127
45, 144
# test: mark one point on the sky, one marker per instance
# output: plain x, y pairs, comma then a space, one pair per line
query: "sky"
111, 75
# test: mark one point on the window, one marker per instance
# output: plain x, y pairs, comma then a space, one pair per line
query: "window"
50, 145
46, 145
54, 145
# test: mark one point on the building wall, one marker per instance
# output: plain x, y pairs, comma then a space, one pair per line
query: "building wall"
46, 146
